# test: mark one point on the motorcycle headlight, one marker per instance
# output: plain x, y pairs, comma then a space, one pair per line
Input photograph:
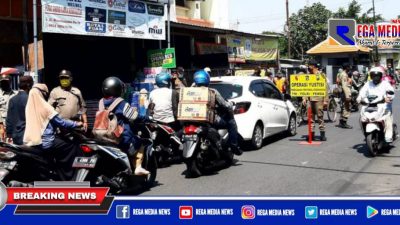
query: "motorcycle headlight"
7, 155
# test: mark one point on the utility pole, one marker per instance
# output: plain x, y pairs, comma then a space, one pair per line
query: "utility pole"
169, 23
35, 40
375, 28
25, 33
288, 27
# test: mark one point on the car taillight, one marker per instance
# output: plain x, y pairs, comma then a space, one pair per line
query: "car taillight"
191, 129
241, 107
86, 149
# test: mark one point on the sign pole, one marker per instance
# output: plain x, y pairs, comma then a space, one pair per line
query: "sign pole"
309, 124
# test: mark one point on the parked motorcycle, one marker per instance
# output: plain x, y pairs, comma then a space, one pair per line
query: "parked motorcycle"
373, 123
205, 149
104, 164
167, 145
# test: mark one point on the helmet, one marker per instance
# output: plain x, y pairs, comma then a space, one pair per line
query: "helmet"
65, 74
201, 78
376, 74
208, 70
112, 87
163, 79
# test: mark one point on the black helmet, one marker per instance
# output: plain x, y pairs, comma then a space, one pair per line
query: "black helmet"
65, 74
112, 87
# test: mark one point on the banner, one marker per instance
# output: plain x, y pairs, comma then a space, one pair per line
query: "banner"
241, 49
164, 58
307, 85
111, 18
211, 48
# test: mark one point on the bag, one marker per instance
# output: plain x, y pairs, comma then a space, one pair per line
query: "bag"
106, 127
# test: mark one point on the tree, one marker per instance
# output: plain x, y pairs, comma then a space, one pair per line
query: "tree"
308, 27
353, 12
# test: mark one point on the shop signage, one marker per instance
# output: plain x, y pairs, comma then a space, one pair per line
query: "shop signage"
111, 18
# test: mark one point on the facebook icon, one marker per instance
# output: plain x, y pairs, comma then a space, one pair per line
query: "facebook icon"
123, 212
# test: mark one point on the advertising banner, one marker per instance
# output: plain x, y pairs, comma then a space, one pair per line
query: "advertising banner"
307, 85
111, 18
241, 49
164, 58
210, 48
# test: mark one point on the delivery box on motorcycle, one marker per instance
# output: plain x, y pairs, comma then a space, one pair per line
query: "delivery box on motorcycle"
196, 104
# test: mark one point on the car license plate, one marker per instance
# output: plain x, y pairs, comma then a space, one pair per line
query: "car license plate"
9, 165
190, 137
84, 162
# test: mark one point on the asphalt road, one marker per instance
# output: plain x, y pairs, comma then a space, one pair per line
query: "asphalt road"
340, 166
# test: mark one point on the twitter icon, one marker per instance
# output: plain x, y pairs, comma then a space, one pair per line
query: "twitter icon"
311, 212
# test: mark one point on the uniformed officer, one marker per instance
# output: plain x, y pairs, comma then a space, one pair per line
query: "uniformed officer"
317, 103
68, 100
346, 96
6, 93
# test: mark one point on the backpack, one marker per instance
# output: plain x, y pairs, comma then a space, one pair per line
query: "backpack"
106, 127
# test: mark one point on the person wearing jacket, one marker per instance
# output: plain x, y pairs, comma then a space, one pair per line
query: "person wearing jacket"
15, 121
40, 132
379, 87
112, 89
224, 113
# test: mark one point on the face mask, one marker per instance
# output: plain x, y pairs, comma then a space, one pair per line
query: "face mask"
65, 83
5, 86
376, 80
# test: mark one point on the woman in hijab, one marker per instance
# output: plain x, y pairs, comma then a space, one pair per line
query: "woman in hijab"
41, 123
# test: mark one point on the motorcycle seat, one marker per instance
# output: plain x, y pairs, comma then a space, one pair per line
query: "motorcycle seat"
31, 150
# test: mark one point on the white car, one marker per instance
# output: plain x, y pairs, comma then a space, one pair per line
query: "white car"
261, 110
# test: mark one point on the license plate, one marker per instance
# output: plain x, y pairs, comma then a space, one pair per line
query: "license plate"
84, 162
8, 165
190, 137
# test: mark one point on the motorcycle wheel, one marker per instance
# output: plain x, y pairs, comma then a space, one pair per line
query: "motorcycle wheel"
373, 144
152, 168
191, 169
332, 110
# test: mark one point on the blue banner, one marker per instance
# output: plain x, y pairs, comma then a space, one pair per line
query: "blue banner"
228, 211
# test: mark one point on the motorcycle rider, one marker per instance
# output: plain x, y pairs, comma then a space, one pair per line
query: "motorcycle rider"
376, 86
41, 123
112, 89
224, 114
163, 104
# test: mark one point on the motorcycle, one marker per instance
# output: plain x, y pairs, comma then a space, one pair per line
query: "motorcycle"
167, 145
201, 151
104, 164
21, 165
373, 115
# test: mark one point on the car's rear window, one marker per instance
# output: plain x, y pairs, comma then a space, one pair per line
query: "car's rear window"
228, 91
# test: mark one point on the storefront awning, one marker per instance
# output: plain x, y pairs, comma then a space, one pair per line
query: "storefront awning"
329, 47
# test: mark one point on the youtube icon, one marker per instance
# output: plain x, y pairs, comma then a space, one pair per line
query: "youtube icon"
185, 212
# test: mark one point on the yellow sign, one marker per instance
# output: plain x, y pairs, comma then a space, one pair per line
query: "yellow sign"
307, 85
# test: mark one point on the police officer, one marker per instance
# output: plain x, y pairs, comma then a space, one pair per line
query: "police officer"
68, 100
6, 93
317, 104
346, 96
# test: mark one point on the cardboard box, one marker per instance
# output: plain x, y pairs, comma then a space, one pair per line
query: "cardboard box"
197, 95
195, 112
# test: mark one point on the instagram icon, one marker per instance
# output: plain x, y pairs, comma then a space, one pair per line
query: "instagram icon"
248, 212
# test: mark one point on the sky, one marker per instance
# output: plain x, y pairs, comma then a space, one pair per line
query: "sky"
256, 16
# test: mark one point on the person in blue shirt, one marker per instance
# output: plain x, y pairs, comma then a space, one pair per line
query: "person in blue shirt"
112, 89
40, 132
